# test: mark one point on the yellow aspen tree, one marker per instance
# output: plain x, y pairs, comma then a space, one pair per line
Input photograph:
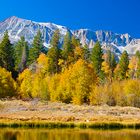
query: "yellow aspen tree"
25, 83
133, 64
43, 62
8, 86
82, 78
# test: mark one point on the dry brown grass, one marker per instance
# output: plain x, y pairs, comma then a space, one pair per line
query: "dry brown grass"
54, 112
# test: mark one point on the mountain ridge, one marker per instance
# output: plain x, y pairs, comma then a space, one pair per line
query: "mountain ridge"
18, 27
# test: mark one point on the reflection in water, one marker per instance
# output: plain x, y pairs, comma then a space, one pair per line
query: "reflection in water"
9, 135
67, 134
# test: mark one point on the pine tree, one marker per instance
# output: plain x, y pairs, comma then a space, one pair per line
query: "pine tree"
123, 65
66, 46
24, 58
67, 51
75, 42
79, 51
21, 54
54, 53
6, 53
86, 52
37, 46
96, 58
111, 62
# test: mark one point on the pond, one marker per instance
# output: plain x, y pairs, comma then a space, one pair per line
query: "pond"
68, 134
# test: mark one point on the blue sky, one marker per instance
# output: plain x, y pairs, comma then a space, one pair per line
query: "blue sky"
121, 16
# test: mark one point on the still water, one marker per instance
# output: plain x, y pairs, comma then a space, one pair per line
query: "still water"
67, 134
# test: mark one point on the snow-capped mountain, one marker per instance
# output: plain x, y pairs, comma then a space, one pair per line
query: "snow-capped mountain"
18, 27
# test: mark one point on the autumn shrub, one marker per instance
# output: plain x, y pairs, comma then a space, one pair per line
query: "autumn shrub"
132, 91
109, 94
8, 86
98, 95
116, 94
121, 93
125, 93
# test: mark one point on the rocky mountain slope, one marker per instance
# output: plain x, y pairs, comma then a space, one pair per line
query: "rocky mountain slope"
18, 27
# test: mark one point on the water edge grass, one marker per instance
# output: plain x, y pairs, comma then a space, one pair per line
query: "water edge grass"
82, 125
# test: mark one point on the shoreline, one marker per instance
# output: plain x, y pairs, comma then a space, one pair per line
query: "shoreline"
82, 125
32, 114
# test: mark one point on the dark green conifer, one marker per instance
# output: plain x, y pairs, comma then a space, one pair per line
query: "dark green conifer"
67, 48
123, 65
21, 55
36, 48
86, 52
96, 58
54, 53
6, 53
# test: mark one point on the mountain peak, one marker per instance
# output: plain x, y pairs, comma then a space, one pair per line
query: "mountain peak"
12, 18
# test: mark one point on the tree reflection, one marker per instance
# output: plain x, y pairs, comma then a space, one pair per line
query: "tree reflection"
67, 134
